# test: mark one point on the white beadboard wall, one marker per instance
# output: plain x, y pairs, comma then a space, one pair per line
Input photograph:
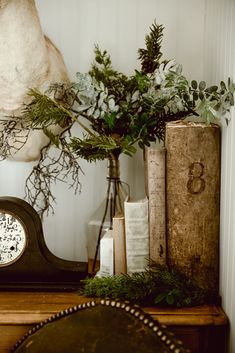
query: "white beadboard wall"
219, 64
202, 42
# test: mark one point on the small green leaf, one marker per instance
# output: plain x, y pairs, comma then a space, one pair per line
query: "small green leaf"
194, 84
202, 85
53, 138
201, 95
159, 298
195, 96
223, 85
170, 299
186, 97
211, 89
110, 120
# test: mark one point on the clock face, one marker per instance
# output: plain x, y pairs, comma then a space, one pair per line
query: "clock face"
13, 239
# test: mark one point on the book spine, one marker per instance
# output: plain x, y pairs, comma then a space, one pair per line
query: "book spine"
137, 235
106, 255
119, 244
155, 190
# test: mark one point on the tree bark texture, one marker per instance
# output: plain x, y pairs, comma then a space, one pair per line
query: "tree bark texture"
193, 200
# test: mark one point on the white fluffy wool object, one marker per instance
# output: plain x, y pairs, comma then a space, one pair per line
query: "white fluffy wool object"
28, 59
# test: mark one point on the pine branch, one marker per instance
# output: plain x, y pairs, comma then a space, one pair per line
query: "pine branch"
150, 57
102, 71
100, 147
44, 111
157, 285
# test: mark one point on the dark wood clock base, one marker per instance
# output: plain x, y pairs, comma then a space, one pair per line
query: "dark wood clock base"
36, 267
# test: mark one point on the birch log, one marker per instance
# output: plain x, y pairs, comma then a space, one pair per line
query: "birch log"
155, 190
193, 196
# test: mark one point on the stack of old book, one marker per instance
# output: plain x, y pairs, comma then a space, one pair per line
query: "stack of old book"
178, 222
125, 248
183, 187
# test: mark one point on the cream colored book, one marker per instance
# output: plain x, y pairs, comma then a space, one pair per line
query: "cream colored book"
156, 191
119, 244
137, 235
106, 255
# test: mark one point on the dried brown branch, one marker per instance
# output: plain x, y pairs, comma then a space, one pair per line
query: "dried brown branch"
14, 133
54, 165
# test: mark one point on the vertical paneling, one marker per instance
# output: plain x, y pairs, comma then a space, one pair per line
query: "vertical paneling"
199, 35
220, 64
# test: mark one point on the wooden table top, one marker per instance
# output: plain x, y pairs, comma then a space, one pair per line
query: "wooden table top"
25, 308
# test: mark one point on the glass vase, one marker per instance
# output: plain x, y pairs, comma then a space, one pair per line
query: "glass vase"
102, 219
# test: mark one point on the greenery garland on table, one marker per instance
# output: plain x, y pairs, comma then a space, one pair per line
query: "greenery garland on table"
158, 285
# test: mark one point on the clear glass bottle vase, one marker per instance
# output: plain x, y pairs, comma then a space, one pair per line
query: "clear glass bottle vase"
102, 219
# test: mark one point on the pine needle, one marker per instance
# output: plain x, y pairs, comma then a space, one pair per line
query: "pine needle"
158, 285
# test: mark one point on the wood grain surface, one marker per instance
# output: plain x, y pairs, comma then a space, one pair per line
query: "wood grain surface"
20, 311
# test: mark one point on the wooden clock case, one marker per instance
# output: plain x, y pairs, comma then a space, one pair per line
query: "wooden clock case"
38, 267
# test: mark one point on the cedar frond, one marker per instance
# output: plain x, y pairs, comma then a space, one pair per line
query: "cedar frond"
99, 147
44, 111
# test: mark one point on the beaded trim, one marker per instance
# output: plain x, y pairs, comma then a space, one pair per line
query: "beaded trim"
161, 331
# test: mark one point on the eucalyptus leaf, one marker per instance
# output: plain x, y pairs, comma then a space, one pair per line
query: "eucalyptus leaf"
96, 113
201, 95
135, 96
223, 85
211, 89
194, 84
195, 96
90, 111
111, 104
104, 107
101, 99
202, 85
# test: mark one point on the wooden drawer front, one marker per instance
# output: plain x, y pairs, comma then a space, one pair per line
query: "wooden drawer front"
10, 334
202, 339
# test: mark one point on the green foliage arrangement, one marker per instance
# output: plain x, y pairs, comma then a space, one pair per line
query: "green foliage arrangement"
158, 285
115, 112
119, 111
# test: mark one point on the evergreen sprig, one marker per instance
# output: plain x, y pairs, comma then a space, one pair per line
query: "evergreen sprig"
158, 285
44, 111
151, 55
100, 147
102, 71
